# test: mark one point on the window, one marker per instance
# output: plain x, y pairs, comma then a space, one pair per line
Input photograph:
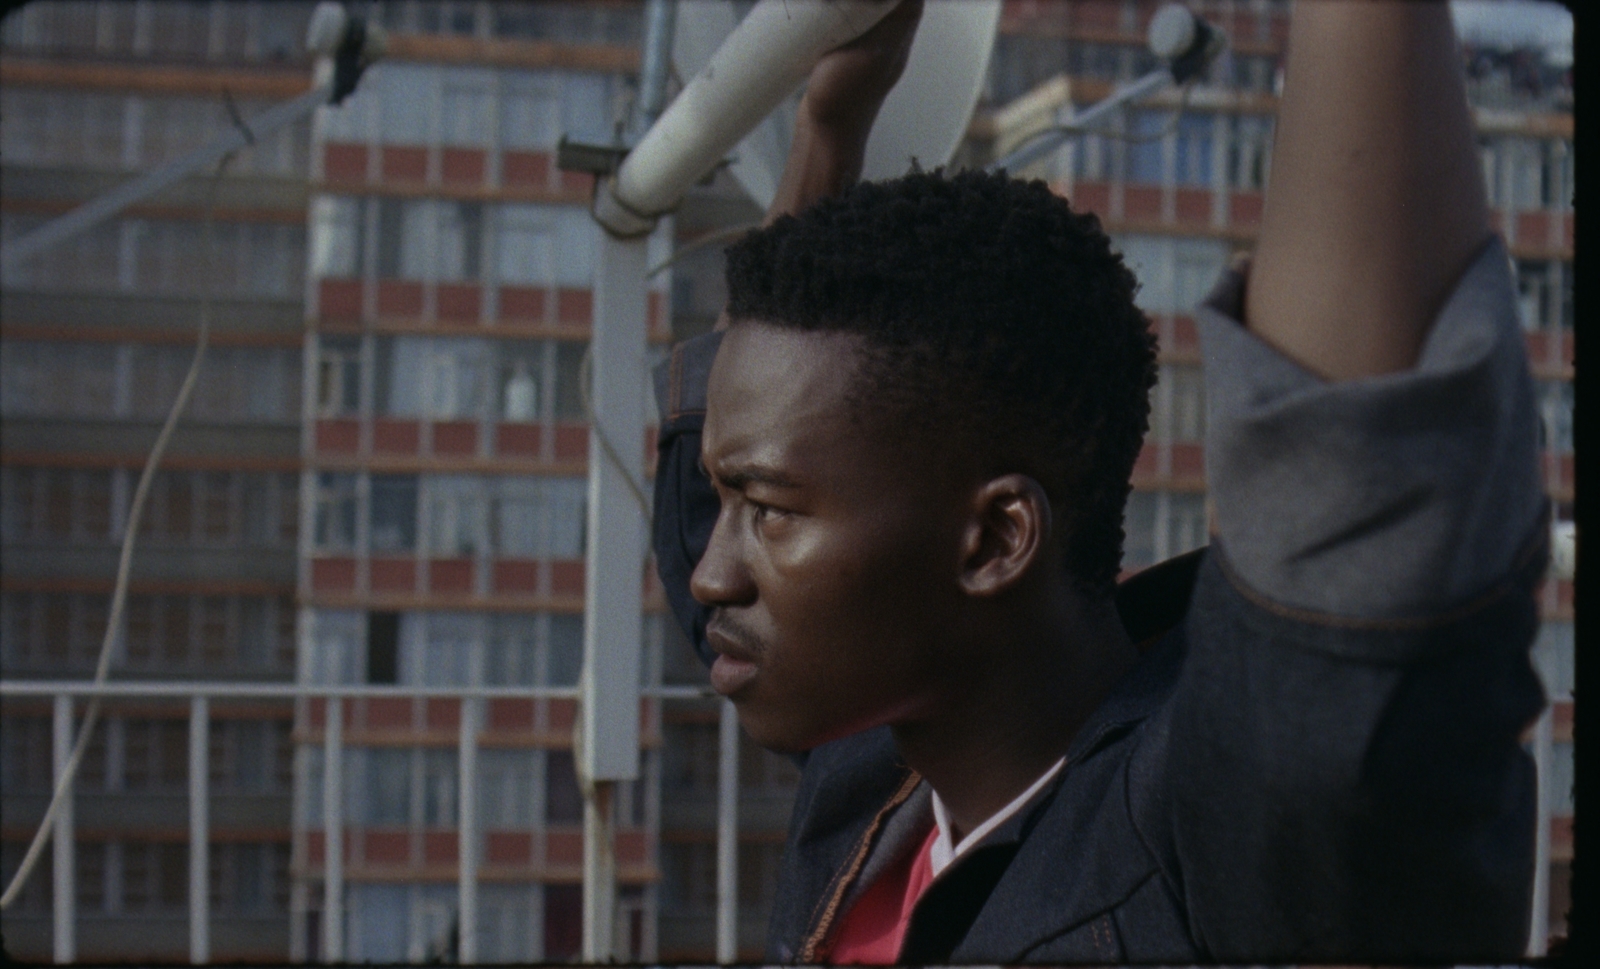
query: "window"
520, 367
1181, 405
1142, 160
379, 922
563, 800
339, 647
394, 513
383, 647
1555, 407
1249, 152
386, 795
524, 247
510, 656
566, 650
336, 233
403, 237
530, 109
1160, 525
460, 240
1174, 274
238, 383
338, 376
1193, 161
437, 378
590, 108
59, 379
518, 517
464, 107
457, 519
439, 788
335, 522
438, 648
407, 93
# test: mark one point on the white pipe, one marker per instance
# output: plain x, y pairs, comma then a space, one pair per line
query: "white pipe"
1539, 916
64, 901
289, 691
760, 64
728, 835
199, 831
333, 832
467, 830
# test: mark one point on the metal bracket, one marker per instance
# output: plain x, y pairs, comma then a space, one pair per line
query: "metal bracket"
596, 160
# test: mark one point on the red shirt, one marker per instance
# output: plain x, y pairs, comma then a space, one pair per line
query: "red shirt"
872, 930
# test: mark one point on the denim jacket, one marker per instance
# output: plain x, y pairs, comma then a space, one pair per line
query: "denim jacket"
1317, 756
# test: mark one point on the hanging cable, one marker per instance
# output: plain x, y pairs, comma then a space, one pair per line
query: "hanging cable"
130, 533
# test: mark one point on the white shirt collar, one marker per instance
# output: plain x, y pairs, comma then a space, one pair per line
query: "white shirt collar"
944, 851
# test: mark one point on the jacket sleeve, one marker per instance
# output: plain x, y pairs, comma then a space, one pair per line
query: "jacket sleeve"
685, 503
1338, 775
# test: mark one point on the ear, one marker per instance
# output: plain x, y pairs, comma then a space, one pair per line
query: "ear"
1008, 531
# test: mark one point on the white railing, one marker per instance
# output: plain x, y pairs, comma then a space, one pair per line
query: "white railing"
200, 695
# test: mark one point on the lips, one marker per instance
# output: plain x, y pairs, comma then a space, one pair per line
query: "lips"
735, 666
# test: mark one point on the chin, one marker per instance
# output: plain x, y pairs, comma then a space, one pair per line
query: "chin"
775, 733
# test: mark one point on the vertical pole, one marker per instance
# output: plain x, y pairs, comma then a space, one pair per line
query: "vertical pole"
608, 749
63, 908
613, 626
199, 830
467, 828
1539, 921
728, 835
599, 873
661, 20
333, 831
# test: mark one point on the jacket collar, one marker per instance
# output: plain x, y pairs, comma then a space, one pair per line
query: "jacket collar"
1032, 891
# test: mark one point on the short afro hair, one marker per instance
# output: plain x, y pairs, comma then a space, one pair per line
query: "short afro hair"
994, 319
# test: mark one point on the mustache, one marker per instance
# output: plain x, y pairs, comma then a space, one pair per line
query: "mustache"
726, 627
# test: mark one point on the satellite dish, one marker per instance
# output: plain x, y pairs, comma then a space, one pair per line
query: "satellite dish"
924, 118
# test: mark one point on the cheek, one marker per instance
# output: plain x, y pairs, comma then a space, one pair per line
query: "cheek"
862, 577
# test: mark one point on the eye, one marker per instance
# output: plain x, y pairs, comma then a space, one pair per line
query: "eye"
764, 513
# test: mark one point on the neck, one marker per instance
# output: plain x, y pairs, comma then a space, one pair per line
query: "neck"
1016, 709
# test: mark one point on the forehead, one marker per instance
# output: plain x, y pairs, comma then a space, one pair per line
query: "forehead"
775, 393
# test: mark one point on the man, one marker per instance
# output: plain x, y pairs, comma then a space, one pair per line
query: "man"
896, 495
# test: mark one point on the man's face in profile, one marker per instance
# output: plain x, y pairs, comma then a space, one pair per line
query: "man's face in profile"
833, 566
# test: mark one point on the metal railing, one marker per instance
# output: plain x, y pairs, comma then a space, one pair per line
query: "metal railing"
200, 694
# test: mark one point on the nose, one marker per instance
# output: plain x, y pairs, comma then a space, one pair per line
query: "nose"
722, 577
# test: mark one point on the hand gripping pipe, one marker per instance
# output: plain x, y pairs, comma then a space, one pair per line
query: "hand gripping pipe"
761, 63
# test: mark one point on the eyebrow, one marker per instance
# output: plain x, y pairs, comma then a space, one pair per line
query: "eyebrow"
748, 474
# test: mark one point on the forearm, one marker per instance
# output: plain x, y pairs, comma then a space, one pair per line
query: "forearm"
822, 161
1376, 203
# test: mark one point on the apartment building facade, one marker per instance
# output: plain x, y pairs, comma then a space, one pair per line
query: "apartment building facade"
95, 340
449, 298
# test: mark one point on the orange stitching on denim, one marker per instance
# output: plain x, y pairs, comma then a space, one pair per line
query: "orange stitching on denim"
847, 875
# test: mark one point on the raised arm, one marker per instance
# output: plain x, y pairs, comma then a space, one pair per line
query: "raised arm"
1375, 206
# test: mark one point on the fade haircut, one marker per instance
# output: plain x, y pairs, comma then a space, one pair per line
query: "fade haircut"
994, 321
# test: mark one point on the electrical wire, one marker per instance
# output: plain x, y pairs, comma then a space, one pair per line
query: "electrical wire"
119, 595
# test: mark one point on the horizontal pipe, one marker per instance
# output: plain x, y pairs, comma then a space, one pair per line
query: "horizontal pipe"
289, 691
761, 63
103, 207
1082, 123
